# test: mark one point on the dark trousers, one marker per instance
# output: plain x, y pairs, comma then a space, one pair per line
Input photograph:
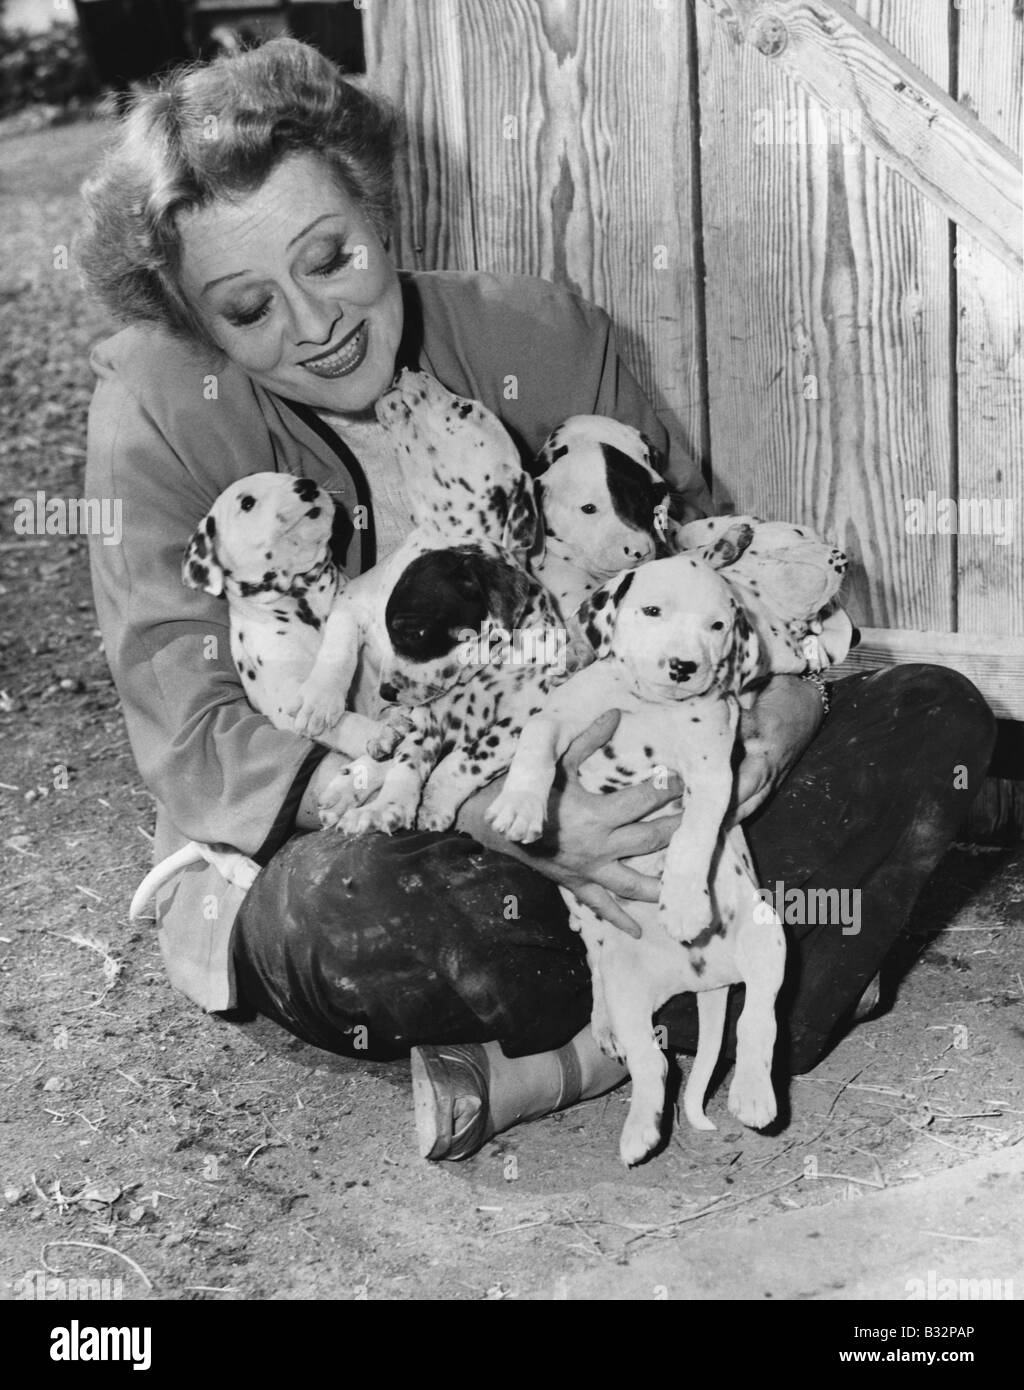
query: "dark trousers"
369, 946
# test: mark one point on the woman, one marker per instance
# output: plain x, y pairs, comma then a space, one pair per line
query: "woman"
240, 227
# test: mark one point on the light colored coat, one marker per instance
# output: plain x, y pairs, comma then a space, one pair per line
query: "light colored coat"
169, 428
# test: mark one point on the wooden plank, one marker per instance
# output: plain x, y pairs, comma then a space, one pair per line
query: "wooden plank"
994, 664
827, 322
413, 58
990, 355
900, 112
552, 138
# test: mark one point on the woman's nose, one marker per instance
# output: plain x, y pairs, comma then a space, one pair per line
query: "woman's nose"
315, 317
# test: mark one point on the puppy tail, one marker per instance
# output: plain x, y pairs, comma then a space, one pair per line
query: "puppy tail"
711, 1005
235, 867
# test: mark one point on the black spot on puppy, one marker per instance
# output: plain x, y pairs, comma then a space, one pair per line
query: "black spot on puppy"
305, 489
211, 527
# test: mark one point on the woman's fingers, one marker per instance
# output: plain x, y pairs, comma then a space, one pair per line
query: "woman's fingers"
600, 901
628, 883
590, 740
633, 803
643, 837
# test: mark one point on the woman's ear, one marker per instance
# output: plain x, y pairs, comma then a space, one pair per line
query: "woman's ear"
200, 568
598, 614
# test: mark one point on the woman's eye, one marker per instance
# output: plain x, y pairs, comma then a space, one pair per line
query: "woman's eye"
242, 318
337, 261
589, 508
651, 612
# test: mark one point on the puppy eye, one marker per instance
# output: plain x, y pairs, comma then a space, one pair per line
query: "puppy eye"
651, 612
247, 503
717, 627
589, 508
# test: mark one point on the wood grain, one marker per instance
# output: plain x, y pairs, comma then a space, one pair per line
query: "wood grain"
828, 323
905, 117
990, 352
995, 665
552, 138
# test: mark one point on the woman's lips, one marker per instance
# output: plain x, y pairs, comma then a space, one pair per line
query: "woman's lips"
340, 361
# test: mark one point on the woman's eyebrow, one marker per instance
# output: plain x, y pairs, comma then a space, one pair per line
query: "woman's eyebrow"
297, 237
315, 223
221, 278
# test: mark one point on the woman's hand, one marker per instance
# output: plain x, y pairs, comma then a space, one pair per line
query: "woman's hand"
587, 834
785, 717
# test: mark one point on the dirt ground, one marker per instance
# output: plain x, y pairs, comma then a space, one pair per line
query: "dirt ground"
194, 1159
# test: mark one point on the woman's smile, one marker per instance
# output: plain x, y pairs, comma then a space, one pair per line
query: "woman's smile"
343, 359
293, 282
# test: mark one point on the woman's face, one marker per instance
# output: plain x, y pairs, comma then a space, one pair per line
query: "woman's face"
293, 282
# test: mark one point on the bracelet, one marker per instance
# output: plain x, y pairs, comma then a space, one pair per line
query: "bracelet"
818, 681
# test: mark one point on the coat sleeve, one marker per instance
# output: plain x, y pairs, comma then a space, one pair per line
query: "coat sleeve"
223, 772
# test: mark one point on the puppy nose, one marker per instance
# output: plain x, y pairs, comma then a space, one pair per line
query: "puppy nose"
388, 693
681, 670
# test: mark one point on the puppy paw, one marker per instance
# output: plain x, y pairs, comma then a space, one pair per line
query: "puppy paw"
641, 1134
388, 816
347, 790
518, 816
684, 914
752, 1097
435, 818
389, 735
315, 709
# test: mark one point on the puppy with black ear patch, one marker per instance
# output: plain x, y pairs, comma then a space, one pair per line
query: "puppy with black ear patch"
675, 655
472, 646
603, 506
265, 546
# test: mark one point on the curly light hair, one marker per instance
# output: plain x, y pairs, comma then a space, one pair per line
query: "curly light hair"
213, 131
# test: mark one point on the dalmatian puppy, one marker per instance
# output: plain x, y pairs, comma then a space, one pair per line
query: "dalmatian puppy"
675, 656
472, 646
671, 631
603, 506
787, 579
461, 470
265, 547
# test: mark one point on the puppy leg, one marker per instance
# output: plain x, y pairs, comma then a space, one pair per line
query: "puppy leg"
463, 772
760, 954
630, 998
394, 807
321, 698
705, 763
519, 810
711, 1006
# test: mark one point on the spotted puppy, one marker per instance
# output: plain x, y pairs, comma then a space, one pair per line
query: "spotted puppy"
788, 579
473, 646
265, 547
603, 506
461, 471
675, 656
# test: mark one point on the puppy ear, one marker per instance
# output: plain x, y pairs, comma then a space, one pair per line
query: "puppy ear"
548, 453
654, 455
505, 586
200, 568
597, 614
521, 521
728, 547
742, 663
